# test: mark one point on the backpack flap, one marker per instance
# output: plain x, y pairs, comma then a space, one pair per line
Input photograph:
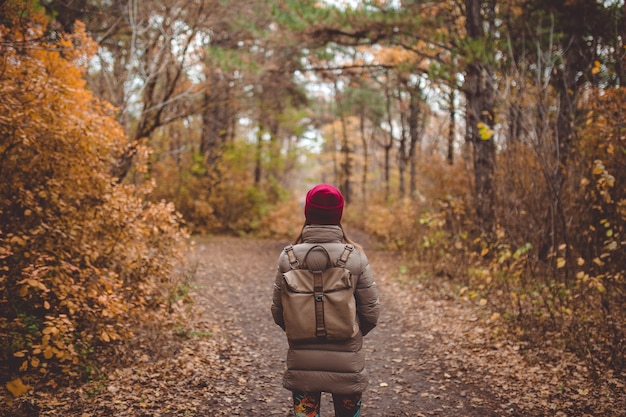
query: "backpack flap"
336, 279
299, 280
298, 305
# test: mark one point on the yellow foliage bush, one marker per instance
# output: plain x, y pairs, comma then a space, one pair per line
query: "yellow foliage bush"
594, 260
283, 221
220, 198
81, 258
575, 286
429, 227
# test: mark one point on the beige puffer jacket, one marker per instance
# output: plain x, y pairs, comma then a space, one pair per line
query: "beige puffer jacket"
336, 367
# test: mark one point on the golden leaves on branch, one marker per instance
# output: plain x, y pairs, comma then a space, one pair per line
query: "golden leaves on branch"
596, 67
484, 131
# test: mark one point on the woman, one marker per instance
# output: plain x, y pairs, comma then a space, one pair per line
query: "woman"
322, 365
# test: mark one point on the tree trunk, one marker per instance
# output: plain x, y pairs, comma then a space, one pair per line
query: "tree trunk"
567, 87
452, 129
568, 91
480, 96
346, 163
258, 156
387, 146
402, 153
365, 157
414, 135
215, 119
210, 137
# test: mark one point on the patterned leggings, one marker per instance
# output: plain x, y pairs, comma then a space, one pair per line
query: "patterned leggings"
308, 404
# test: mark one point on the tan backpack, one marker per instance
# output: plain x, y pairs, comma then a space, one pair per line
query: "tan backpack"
319, 304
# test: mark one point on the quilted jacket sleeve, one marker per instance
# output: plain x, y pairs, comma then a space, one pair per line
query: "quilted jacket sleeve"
366, 293
277, 306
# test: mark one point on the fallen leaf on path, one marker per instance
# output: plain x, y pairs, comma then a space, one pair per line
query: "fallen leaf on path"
17, 387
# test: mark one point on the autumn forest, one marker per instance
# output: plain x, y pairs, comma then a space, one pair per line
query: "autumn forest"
482, 142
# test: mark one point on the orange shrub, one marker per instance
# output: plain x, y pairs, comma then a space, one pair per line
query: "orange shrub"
80, 257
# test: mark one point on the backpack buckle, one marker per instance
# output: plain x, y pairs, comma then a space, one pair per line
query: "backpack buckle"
319, 297
293, 260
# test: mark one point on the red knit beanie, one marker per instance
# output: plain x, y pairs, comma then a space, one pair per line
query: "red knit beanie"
324, 205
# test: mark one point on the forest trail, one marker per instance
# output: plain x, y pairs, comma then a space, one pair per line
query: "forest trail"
431, 355
417, 363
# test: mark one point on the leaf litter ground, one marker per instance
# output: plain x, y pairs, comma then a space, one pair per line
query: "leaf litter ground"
431, 355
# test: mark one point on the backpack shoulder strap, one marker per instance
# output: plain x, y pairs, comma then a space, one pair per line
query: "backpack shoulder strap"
293, 260
343, 259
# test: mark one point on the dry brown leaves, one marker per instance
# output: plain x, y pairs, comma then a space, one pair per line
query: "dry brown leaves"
467, 349
430, 356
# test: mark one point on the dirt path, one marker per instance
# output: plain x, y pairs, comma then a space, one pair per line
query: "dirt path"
431, 355
409, 373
